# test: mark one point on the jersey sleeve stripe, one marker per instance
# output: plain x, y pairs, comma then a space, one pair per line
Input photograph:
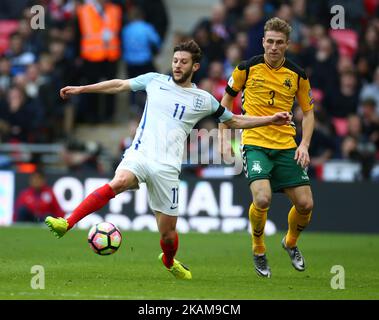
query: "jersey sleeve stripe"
142, 127
230, 91
219, 112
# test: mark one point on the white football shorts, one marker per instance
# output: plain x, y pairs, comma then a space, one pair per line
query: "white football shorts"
162, 181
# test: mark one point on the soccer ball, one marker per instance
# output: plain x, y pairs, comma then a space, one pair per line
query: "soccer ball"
104, 238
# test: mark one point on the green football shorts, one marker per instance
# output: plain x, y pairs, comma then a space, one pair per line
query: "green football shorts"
278, 166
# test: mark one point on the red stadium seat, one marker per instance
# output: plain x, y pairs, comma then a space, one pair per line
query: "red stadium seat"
347, 41
7, 27
371, 6
341, 126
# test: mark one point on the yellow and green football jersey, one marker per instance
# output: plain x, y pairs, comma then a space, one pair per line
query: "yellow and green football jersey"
267, 90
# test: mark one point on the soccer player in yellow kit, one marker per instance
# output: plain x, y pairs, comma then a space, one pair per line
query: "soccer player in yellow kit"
272, 160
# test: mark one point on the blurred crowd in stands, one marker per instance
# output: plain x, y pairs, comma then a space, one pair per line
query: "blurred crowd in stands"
342, 64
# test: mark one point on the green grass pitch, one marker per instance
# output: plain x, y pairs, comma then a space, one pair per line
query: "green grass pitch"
221, 266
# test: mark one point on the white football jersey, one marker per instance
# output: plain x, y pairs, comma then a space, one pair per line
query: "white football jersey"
171, 112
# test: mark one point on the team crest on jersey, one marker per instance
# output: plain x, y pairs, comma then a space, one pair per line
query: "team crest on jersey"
198, 102
256, 167
287, 83
257, 82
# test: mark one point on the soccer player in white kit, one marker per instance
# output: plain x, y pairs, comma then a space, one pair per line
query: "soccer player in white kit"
173, 106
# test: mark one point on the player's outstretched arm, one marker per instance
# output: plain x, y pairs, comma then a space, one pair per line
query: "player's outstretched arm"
224, 145
247, 122
109, 86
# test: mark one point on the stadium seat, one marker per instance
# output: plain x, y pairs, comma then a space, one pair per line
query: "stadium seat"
7, 27
347, 41
341, 126
371, 6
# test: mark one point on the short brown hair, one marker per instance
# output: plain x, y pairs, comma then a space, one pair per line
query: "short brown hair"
279, 25
192, 47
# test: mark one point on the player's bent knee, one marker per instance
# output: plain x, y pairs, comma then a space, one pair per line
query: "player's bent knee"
120, 183
168, 236
117, 185
304, 206
262, 202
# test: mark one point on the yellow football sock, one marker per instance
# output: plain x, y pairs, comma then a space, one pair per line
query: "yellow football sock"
258, 219
296, 223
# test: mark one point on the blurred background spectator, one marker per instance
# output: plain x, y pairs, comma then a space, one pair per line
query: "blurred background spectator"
19, 56
371, 90
155, 13
37, 202
357, 146
140, 43
82, 157
253, 24
22, 117
100, 24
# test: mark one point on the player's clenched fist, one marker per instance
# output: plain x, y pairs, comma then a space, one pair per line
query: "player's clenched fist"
66, 92
282, 118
